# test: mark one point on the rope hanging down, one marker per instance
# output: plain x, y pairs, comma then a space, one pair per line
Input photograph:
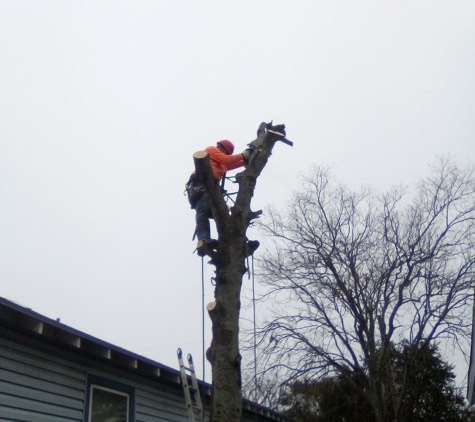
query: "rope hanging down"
203, 314
251, 274
255, 337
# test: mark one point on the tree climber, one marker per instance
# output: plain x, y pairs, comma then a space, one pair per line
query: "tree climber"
221, 159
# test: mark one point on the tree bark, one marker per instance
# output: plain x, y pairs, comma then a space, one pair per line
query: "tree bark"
229, 260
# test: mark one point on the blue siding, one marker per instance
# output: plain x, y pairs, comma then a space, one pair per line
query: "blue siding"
34, 387
153, 407
41, 382
37, 386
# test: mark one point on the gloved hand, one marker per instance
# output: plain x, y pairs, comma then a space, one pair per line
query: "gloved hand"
246, 154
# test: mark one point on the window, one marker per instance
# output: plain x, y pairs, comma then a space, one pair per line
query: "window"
108, 401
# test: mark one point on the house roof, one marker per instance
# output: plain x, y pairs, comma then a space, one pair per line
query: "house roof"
20, 318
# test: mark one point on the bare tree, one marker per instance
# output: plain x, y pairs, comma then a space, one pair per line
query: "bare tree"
229, 259
351, 272
265, 390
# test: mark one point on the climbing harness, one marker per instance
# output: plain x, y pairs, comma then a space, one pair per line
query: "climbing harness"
193, 190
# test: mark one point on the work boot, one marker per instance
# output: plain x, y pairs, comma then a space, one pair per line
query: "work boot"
213, 244
206, 246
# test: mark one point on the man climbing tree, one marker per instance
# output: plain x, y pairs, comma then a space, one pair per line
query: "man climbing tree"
221, 160
228, 255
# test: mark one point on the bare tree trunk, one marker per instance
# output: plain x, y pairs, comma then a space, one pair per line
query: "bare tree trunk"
229, 259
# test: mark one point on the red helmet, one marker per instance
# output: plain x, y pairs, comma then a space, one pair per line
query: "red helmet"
227, 145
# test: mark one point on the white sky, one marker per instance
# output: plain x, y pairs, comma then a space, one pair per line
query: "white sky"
103, 103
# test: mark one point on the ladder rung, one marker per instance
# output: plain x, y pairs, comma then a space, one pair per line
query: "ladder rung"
190, 387
191, 390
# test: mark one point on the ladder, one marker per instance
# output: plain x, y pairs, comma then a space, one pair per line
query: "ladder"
192, 393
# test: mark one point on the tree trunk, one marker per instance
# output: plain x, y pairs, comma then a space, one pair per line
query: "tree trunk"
229, 260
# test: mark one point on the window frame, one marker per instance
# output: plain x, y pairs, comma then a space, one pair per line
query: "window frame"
112, 387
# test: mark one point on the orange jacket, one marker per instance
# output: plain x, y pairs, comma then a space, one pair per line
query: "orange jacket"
221, 163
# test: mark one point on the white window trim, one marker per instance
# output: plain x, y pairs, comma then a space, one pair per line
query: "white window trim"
110, 390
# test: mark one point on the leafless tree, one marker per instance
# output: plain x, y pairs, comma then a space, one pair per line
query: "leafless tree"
265, 390
229, 260
350, 272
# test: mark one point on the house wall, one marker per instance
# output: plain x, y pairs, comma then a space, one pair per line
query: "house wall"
40, 382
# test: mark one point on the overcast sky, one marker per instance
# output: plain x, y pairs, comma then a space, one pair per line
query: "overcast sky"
103, 103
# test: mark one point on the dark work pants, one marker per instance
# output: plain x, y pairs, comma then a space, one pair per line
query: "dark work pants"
203, 214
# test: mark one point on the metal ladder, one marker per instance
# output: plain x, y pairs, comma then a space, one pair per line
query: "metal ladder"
192, 393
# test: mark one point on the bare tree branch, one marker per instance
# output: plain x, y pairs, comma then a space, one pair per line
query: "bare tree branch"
357, 271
